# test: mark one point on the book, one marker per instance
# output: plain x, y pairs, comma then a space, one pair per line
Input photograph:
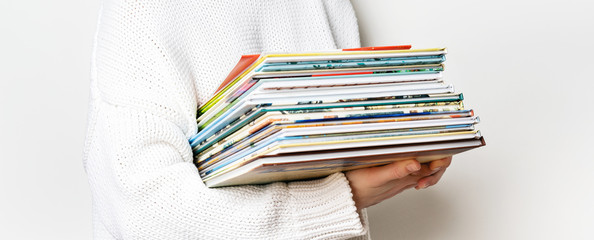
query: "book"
294, 116
299, 167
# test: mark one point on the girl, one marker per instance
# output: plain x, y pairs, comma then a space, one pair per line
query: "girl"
154, 63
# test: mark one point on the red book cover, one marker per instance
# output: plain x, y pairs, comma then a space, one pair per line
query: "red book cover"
244, 63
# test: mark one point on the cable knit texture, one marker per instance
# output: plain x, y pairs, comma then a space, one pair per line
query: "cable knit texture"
154, 62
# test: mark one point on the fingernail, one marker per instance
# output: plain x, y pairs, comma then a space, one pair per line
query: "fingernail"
435, 170
413, 167
426, 185
439, 165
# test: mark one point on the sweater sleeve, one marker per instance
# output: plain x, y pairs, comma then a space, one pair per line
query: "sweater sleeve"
139, 162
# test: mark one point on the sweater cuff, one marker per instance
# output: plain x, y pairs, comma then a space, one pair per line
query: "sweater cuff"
365, 222
326, 210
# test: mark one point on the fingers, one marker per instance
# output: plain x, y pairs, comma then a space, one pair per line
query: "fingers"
397, 170
373, 185
424, 176
441, 163
430, 180
437, 170
369, 185
396, 186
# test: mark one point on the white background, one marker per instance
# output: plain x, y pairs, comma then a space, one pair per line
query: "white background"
524, 66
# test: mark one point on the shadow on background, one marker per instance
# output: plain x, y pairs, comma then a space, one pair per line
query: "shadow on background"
420, 215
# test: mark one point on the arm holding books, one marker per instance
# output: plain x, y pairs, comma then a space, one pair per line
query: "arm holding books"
145, 186
139, 163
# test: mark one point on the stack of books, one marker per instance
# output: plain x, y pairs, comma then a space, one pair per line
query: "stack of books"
291, 116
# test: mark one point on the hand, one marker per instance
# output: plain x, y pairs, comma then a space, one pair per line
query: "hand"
371, 186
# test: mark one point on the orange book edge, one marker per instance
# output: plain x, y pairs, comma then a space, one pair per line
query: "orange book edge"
243, 64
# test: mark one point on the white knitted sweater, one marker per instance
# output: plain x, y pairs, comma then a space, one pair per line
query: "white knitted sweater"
154, 62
